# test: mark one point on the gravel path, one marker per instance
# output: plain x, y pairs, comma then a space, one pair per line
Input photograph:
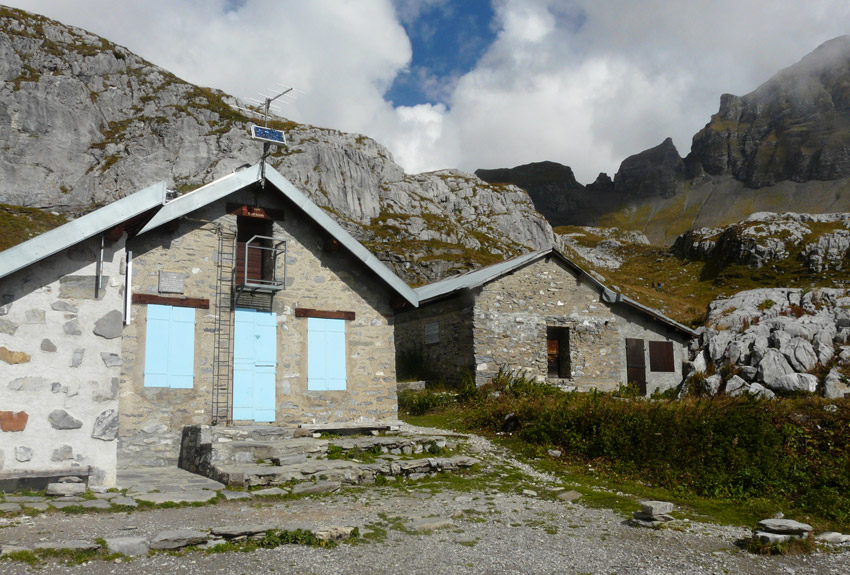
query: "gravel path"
489, 532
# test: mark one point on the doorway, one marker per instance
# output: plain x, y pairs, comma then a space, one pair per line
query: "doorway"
558, 352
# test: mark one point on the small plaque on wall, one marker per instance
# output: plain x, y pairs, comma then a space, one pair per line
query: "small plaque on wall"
171, 282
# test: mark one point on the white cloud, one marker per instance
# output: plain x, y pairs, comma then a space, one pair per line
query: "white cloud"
582, 82
614, 78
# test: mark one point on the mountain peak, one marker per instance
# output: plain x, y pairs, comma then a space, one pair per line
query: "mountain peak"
795, 126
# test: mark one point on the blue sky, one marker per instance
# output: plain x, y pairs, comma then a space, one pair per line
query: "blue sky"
475, 83
447, 40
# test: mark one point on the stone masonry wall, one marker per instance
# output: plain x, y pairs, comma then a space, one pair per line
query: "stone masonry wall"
633, 324
60, 362
513, 312
152, 418
449, 358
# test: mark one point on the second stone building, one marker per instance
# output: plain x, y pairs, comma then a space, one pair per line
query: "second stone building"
542, 316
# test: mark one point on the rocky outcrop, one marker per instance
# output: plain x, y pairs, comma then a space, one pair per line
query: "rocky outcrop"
777, 338
819, 241
84, 121
654, 172
599, 247
555, 192
795, 126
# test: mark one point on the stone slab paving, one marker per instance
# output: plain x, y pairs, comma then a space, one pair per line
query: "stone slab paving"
163, 479
188, 496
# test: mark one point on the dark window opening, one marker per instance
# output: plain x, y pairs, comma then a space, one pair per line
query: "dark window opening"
558, 351
661, 356
636, 363
256, 264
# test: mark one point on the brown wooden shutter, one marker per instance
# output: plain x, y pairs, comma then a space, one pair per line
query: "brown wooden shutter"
661, 356
635, 362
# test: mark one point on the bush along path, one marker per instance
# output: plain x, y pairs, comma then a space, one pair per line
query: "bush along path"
506, 514
793, 454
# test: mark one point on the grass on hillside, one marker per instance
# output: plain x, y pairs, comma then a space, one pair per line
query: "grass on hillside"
18, 224
688, 286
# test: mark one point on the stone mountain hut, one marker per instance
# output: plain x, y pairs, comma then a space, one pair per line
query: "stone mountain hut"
540, 315
241, 302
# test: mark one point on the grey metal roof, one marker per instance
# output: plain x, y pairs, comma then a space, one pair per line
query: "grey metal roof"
478, 278
204, 195
82, 228
238, 180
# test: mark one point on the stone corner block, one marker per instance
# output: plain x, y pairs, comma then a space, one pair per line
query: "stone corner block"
110, 325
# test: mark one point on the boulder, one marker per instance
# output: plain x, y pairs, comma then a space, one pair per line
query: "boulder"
711, 384
736, 386
772, 367
800, 354
656, 507
788, 526
794, 382
759, 390
836, 385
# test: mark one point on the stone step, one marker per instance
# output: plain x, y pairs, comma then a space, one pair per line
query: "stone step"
262, 455
341, 470
246, 451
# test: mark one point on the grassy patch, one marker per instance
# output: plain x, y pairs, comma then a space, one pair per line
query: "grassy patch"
18, 224
368, 455
67, 556
271, 539
688, 286
732, 460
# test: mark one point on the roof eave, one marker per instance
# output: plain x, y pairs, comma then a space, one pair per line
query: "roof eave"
80, 229
323, 220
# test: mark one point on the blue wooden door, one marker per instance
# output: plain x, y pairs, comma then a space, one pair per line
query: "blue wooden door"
254, 361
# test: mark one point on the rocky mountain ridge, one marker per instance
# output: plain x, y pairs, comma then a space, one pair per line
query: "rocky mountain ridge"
793, 129
85, 121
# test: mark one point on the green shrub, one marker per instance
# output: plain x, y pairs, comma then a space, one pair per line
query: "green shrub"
791, 450
420, 402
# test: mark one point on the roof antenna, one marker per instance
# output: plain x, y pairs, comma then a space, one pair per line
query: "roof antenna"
265, 134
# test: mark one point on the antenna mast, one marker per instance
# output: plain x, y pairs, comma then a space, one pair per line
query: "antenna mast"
265, 134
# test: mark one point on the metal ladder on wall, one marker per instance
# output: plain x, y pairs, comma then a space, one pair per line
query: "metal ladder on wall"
222, 393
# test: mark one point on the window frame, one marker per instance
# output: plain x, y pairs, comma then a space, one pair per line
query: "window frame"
432, 333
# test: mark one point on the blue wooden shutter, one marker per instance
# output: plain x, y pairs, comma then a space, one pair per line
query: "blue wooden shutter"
326, 354
335, 357
181, 348
156, 346
170, 347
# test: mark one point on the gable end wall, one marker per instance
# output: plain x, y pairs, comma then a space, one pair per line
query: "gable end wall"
152, 418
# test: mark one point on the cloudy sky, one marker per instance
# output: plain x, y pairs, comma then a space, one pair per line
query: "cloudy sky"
478, 83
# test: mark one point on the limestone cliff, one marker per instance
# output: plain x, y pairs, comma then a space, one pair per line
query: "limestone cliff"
795, 126
84, 121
